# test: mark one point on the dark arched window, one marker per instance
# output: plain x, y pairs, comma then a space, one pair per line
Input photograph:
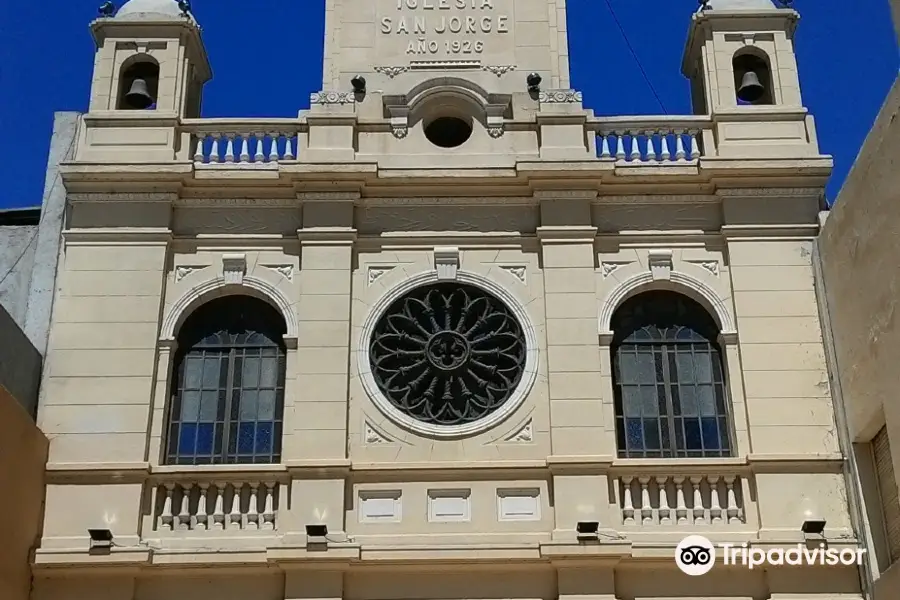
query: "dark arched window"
228, 395
668, 379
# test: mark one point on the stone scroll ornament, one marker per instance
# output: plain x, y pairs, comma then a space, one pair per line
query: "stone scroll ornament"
447, 354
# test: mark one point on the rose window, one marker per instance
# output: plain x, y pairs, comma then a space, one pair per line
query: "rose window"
447, 354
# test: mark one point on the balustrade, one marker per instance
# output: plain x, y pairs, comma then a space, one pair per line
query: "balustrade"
648, 500
216, 505
649, 140
229, 141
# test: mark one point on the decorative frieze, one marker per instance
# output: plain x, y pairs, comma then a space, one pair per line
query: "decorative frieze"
560, 97
391, 71
332, 98
499, 70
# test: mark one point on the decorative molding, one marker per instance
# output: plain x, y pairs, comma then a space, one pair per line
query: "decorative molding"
643, 280
522, 435
769, 192
519, 272
324, 97
328, 196
380, 506
373, 436
608, 268
184, 271
234, 266
444, 64
123, 197
499, 70
230, 202
513, 403
660, 264
391, 71
496, 132
213, 287
657, 199
451, 201
286, 271
400, 131
446, 262
710, 265
565, 194
375, 272
560, 96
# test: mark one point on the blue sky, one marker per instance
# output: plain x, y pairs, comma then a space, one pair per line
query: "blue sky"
267, 55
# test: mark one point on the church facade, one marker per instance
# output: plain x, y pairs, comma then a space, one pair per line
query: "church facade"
447, 334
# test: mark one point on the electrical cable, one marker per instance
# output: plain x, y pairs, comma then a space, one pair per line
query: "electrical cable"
635, 56
37, 228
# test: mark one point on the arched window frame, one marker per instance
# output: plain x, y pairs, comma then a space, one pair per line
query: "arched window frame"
221, 363
199, 291
662, 340
706, 286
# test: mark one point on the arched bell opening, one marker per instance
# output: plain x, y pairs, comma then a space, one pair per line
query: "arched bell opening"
139, 84
752, 79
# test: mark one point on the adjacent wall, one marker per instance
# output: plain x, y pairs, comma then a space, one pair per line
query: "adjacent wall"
859, 246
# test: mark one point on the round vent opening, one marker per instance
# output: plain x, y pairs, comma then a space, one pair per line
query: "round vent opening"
448, 132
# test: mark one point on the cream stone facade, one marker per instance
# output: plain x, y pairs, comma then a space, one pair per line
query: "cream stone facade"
447, 334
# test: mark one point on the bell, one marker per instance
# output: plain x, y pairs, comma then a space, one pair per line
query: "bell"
139, 95
751, 89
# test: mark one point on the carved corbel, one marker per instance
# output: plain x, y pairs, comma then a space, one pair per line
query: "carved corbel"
446, 262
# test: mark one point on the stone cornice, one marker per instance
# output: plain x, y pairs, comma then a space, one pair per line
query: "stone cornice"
327, 236
771, 192
764, 232
237, 202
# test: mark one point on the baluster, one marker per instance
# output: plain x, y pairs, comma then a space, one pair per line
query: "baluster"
699, 510
229, 148
245, 148
219, 509
620, 145
184, 517
235, 514
679, 145
273, 151
664, 509
259, 155
733, 511
627, 501
214, 150
695, 149
289, 147
646, 506
198, 151
681, 512
664, 146
651, 150
268, 515
635, 147
166, 517
604, 146
202, 518
715, 505
252, 508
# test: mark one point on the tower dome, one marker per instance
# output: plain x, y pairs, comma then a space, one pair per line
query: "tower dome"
741, 4
151, 10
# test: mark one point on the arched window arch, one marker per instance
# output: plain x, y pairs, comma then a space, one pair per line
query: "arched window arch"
227, 399
668, 379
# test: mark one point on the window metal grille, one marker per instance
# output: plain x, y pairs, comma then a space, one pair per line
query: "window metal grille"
668, 379
228, 402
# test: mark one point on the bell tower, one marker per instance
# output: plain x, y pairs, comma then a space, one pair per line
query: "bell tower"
443, 78
150, 62
743, 71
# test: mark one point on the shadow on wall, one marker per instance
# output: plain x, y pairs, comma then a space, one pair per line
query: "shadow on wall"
20, 364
